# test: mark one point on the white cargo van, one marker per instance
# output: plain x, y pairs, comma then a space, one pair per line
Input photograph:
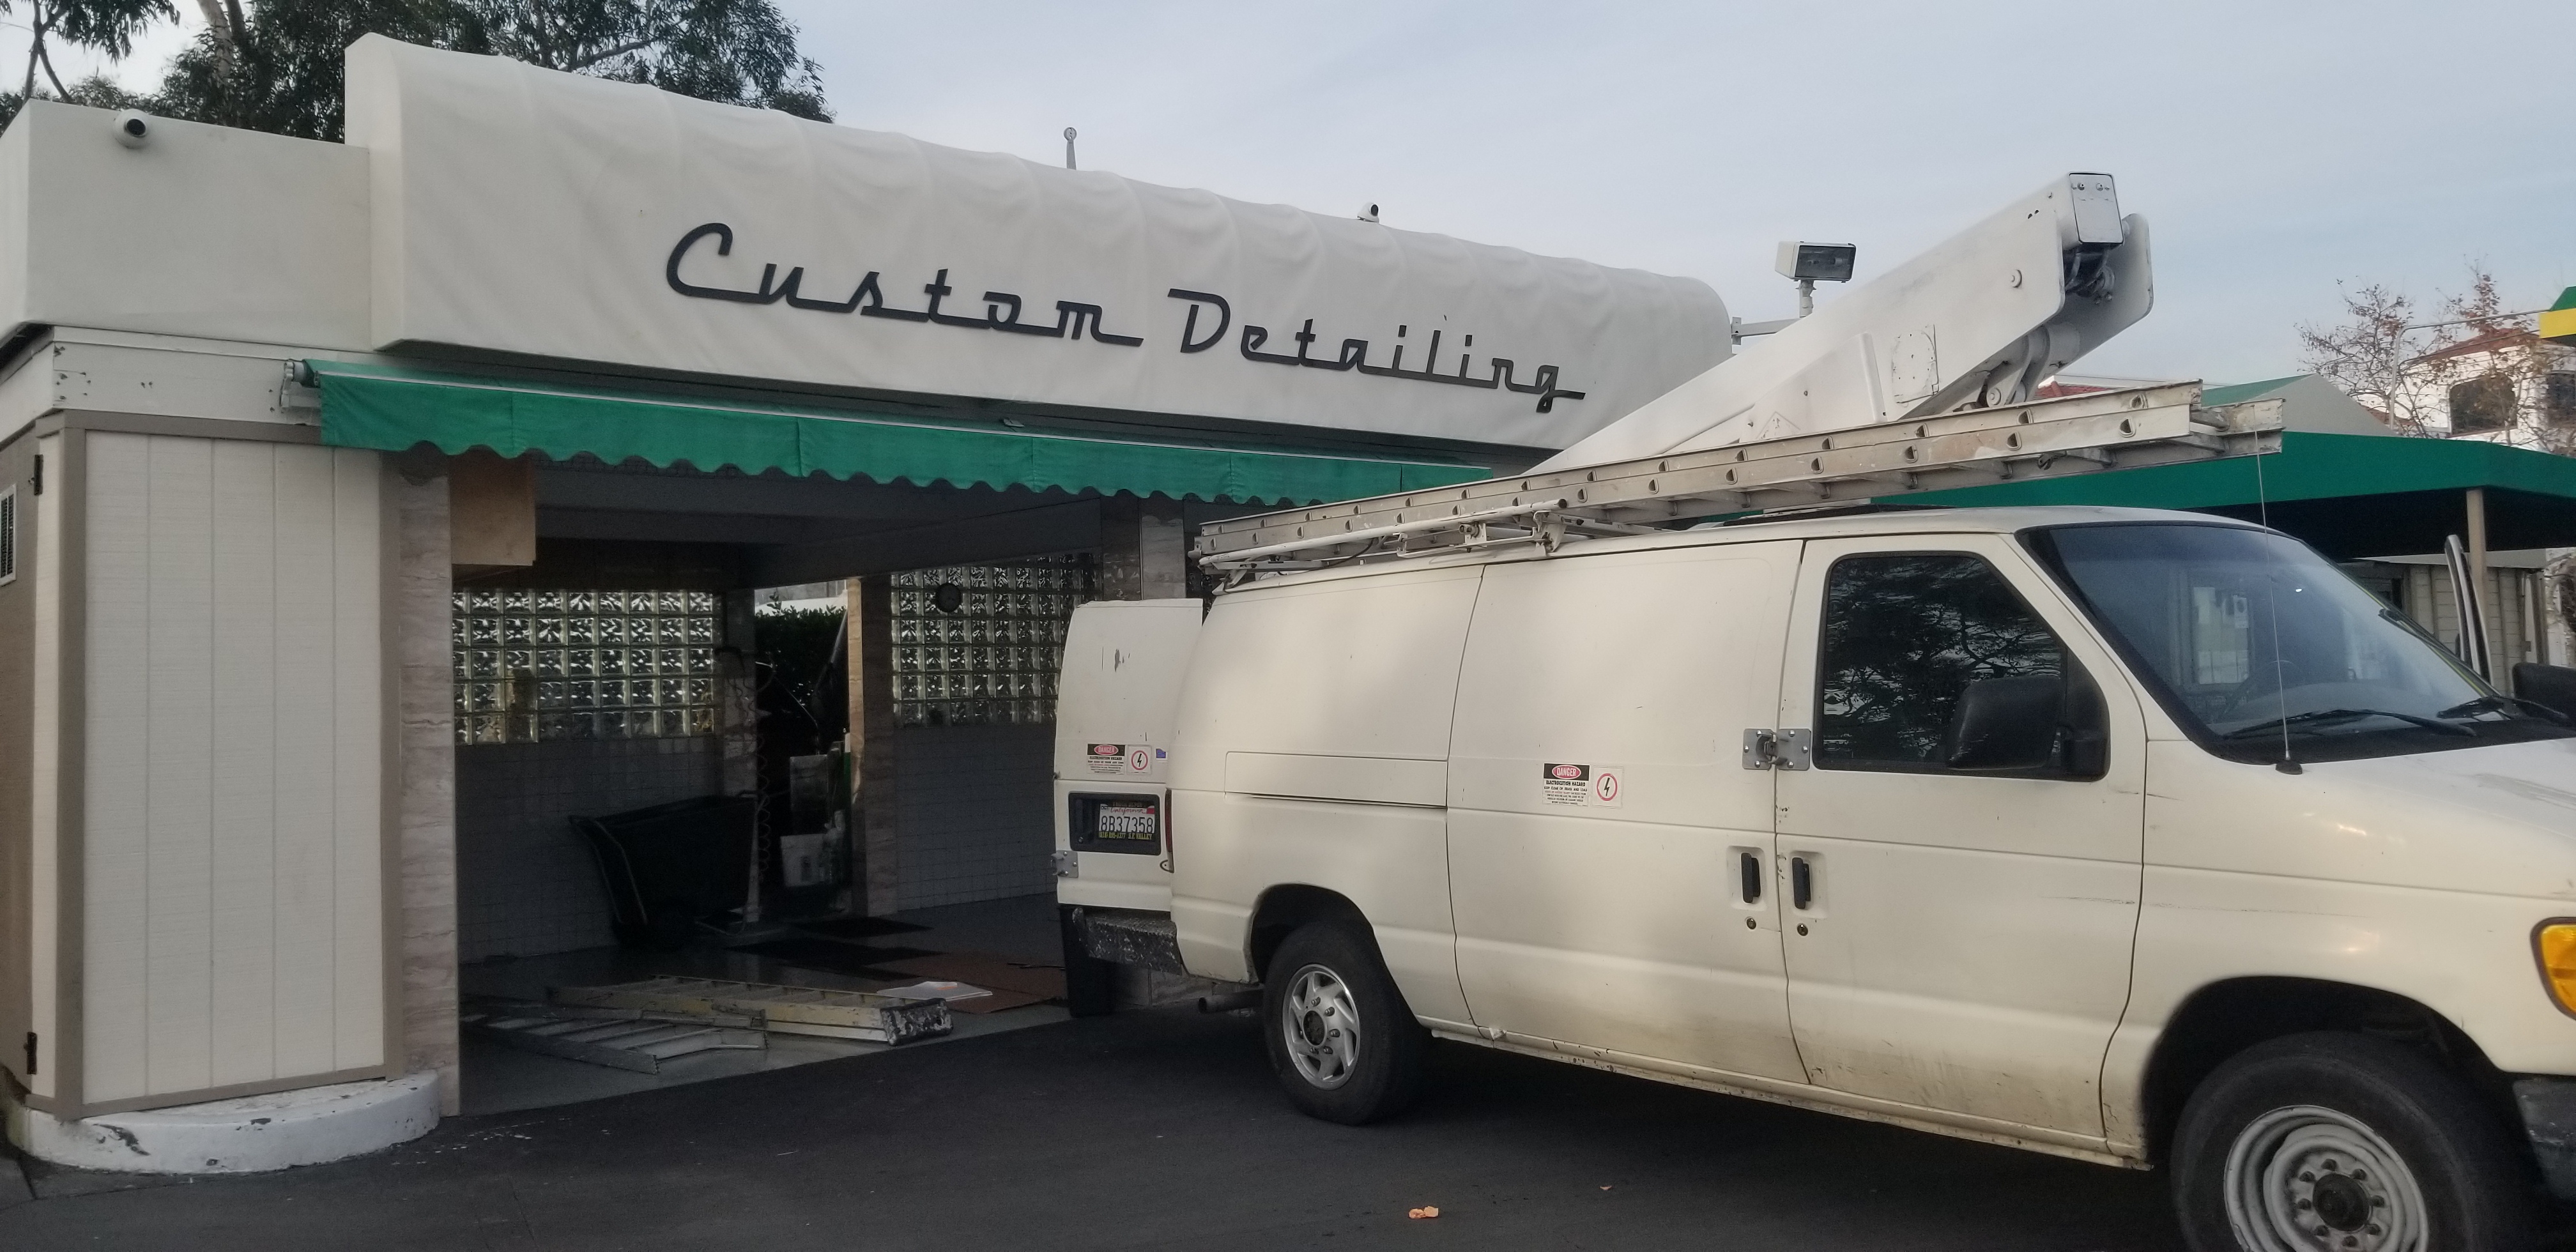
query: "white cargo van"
2144, 838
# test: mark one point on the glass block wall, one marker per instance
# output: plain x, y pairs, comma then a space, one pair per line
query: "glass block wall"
537, 665
978, 645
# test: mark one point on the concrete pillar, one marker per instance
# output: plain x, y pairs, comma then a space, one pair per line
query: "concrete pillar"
868, 605
425, 798
738, 726
737, 714
1143, 549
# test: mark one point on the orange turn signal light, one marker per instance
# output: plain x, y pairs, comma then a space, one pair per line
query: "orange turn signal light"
2555, 943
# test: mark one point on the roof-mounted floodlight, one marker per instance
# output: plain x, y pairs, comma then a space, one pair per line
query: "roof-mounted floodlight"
1817, 262
1812, 263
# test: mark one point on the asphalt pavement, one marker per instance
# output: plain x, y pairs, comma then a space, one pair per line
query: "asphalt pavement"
1146, 1130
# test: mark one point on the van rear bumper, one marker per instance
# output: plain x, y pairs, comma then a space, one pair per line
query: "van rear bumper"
1127, 937
2548, 1107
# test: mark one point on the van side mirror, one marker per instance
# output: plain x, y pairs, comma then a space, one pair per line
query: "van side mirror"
2006, 724
2551, 686
2030, 725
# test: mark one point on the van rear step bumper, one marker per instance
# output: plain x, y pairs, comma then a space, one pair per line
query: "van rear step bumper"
1128, 937
2548, 1107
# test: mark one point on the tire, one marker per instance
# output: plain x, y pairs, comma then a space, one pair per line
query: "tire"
2373, 1144
1345, 1046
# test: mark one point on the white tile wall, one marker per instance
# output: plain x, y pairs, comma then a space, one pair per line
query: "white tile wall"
526, 885
973, 821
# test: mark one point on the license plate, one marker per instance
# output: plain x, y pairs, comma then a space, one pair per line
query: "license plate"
1128, 823
1136, 822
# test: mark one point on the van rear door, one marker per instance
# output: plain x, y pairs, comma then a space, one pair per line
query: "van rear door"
1115, 702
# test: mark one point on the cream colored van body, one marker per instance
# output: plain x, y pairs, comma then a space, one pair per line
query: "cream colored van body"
1991, 957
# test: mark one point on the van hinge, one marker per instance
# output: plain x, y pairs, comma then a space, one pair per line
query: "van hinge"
31, 1054
37, 480
1779, 749
1067, 864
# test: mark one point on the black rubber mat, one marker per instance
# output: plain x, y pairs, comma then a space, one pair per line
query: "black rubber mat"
857, 927
832, 955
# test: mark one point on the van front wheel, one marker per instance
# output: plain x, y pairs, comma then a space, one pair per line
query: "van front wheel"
1345, 1046
2326, 1142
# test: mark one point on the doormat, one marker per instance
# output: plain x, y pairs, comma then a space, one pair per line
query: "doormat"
833, 956
856, 927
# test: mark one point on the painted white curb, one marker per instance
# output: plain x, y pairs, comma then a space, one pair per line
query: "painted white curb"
238, 1136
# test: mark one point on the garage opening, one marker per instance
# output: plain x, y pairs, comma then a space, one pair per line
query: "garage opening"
670, 765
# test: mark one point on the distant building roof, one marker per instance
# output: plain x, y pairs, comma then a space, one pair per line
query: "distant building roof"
2496, 340
2308, 403
2238, 393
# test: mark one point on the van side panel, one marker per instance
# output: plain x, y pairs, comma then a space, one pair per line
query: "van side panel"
1620, 921
1313, 749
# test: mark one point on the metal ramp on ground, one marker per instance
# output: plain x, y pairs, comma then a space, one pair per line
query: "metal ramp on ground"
786, 1010
620, 1038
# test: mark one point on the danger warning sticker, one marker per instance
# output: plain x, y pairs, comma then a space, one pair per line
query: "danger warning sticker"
1122, 758
1581, 786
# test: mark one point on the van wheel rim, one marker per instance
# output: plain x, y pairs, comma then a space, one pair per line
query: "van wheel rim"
2310, 1179
1322, 1027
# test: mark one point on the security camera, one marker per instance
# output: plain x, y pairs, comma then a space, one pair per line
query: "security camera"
133, 127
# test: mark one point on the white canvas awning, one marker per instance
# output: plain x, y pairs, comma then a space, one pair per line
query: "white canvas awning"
526, 211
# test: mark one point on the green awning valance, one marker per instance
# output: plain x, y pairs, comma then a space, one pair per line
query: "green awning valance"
2308, 467
2346, 494
392, 408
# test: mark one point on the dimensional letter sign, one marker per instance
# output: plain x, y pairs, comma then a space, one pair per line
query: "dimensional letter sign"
551, 215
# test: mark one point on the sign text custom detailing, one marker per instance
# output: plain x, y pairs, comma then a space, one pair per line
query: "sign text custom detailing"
1074, 319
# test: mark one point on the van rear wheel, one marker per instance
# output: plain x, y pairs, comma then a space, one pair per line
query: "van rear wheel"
1344, 1044
2335, 1142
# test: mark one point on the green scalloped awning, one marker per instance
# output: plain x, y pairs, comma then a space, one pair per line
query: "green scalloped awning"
393, 408
2348, 495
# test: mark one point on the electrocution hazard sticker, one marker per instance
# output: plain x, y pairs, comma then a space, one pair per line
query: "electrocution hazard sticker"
1122, 758
1581, 786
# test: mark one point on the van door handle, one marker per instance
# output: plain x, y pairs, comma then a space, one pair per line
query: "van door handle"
1752, 867
1802, 882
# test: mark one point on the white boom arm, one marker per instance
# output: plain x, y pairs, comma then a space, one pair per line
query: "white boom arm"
1976, 322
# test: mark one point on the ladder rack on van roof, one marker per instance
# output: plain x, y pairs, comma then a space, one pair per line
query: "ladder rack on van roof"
2078, 434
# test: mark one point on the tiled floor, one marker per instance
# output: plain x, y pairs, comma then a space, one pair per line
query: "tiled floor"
500, 1079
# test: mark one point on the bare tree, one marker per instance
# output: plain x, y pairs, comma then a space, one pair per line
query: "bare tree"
2470, 354
2476, 368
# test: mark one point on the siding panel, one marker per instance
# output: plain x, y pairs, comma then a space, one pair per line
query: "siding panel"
243, 726
305, 669
178, 775
234, 825
357, 711
114, 860
44, 943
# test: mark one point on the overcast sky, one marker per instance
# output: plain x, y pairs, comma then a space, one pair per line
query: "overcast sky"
2276, 148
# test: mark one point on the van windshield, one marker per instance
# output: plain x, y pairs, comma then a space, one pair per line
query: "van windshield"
2262, 648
